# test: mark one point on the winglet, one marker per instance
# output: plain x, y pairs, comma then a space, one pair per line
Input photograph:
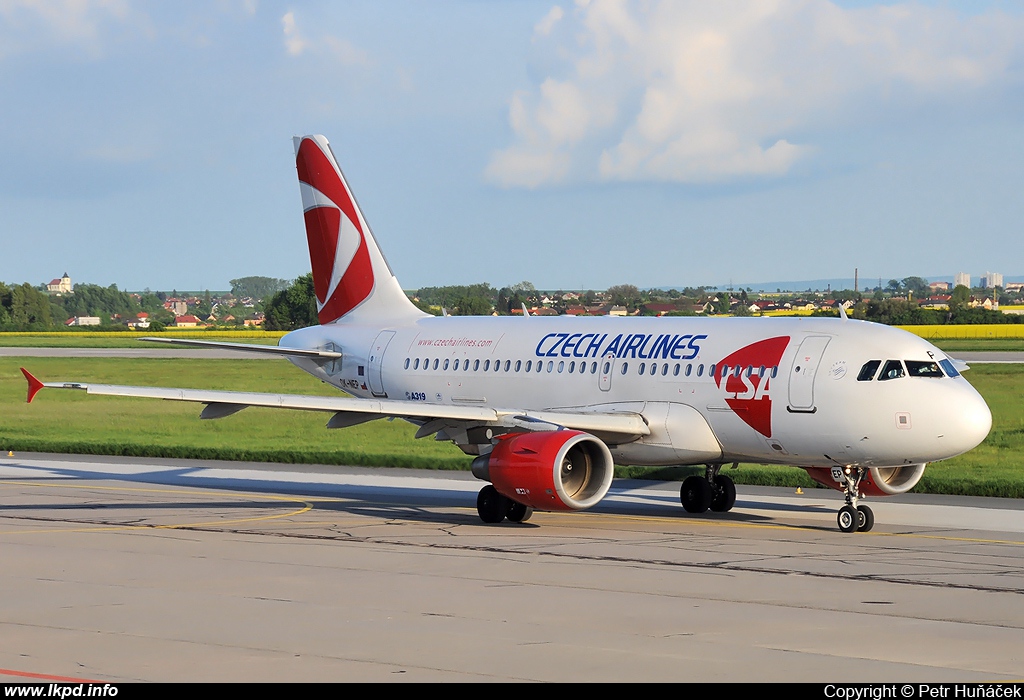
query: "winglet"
34, 385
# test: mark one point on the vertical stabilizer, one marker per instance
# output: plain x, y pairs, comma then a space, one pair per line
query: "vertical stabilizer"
351, 278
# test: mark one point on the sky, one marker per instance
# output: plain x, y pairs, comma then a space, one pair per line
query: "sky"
575, 145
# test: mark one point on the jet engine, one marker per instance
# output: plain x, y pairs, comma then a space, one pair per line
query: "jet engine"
551, 470
879, 481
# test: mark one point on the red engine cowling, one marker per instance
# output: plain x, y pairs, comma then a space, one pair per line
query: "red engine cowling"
556, 470
879, 481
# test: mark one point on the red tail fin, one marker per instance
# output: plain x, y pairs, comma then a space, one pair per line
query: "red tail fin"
349, 271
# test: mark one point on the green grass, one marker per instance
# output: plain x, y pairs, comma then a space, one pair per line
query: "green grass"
980, 344
70, 421
96, 340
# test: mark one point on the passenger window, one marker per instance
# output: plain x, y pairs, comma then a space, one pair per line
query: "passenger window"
711, 372
435, 363
625, 366
445, 365
593, 368
675, 370
551, 366
654, 368
572, 366
487, 365
688, 368
407, 363
561, 366
416, 364
529, 365
664, 370
519, 365
916, 368
893, 369
455, 367
700, 370
867, 372
476, 365
508, 364
643, 366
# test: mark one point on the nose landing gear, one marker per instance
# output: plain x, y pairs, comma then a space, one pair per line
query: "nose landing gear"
853, 517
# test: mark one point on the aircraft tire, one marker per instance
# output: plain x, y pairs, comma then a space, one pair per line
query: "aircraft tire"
695, 494
724, 494
848, 519
866, 520
491, 505
518, 513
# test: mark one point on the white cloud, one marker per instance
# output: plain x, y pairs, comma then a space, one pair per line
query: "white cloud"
27, 25
296, 43
293, 41
699, 92
545, 26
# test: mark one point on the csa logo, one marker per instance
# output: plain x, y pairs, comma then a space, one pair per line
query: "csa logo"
342, 273
750, 396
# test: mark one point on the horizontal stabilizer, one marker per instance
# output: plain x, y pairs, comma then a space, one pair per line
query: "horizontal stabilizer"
245, 347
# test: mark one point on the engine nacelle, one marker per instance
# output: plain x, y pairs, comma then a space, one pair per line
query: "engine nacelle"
551, 470
879, 481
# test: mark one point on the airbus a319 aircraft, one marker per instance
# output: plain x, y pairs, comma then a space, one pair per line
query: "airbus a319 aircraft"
547, 405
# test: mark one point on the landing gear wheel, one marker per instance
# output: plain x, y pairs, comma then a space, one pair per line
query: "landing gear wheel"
849, 519
491, 505
866, 519
518, 513
695, 494
724, 494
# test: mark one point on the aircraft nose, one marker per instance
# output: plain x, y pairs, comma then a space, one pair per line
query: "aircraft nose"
972, 420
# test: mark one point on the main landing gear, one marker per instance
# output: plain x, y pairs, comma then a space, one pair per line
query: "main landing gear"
493, 507
853, 517
713, 491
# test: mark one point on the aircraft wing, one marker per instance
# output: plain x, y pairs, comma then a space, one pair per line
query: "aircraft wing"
351, 411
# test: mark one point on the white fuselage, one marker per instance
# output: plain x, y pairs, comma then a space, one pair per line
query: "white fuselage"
791, 395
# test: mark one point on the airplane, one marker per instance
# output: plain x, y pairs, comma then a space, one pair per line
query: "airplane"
546, 406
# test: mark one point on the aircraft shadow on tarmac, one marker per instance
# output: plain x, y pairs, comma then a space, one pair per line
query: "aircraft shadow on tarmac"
382, 501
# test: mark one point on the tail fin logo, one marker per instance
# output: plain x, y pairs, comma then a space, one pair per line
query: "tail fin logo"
338, 253
746, 377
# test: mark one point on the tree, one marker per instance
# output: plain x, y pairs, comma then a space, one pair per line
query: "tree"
292, 308
258, 287
625, 295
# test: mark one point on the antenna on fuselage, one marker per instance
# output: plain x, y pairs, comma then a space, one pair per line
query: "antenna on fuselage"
842, 312
526, 312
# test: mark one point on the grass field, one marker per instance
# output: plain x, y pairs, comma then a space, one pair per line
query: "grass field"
66, 421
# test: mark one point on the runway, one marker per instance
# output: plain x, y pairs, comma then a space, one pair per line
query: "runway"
123, 569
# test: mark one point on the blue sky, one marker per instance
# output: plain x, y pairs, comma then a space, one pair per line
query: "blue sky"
573, 144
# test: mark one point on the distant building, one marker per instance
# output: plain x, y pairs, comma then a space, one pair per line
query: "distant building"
962, 279
186, 321
60, 286
939, 286
83, 321
991, 279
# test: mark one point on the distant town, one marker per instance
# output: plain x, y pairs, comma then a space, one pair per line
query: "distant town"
278, 304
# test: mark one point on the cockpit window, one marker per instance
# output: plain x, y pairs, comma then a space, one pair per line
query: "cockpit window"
950, 369
893, 369
867, 372
916, 368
